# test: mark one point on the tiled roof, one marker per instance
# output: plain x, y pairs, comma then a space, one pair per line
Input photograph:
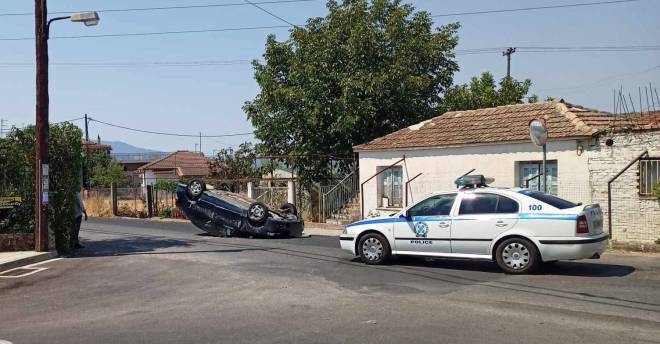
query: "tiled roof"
185, 163
95, 146
494, 125
637, 122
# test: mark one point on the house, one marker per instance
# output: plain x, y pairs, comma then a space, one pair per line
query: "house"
429, 156
175, 166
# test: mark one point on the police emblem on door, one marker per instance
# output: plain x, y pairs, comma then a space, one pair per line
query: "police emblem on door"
421, 229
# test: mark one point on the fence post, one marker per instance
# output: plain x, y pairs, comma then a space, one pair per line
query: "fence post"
150, 197
291, 191
113, 199
250, 190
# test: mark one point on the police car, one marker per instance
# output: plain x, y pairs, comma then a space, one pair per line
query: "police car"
517, 228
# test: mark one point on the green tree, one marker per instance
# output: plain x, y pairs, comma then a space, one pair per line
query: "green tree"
65, 172
103, 171
364, 70
482, 92
235, 164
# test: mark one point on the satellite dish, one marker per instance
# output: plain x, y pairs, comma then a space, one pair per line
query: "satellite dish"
538, 132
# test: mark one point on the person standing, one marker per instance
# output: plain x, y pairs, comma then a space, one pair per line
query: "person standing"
79, 209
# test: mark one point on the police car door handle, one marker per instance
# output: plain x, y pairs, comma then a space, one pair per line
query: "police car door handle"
443, 225
501, 224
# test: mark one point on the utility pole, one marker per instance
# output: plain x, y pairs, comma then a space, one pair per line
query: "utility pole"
508, 53
200, 142
41, 183
2, 128
86, 171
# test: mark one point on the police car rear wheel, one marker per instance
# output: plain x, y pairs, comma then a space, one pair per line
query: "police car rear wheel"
374, 249
517, 256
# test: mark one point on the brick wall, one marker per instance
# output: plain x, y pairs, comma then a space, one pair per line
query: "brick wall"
635, 219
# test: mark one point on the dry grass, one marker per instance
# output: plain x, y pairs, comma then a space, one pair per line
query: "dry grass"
98, 206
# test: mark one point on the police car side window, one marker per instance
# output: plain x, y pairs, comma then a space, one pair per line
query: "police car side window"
506, 205
487, 204
434, 206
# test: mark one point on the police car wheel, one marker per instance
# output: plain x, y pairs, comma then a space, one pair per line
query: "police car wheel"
374, 249
517, 256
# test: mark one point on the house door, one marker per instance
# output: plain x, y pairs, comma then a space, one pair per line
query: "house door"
531, 169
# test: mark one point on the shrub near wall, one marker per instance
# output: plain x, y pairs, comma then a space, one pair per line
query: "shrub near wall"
17, 164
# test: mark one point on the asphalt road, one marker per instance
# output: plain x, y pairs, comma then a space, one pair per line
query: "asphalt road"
149, 282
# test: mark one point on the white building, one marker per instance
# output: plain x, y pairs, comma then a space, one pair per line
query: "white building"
495, 142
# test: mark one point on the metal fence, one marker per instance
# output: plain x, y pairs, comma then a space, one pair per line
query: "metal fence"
334, 198
274, 196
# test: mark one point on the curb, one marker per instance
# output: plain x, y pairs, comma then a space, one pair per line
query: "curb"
40, 257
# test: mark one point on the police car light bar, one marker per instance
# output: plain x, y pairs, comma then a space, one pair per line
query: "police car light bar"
473, 181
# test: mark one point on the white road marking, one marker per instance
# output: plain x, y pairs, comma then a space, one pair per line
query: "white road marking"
32, 271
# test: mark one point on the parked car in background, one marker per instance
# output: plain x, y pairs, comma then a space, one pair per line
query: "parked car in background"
224, 213
517, 228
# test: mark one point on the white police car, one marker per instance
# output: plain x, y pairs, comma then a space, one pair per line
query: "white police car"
517, 228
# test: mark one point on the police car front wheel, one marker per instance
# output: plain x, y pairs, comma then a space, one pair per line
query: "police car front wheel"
374, 249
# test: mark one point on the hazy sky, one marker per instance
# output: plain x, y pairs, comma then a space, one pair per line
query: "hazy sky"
190, 99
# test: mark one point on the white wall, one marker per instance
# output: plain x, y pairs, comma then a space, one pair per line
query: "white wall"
635, 218
441, 166
148, 178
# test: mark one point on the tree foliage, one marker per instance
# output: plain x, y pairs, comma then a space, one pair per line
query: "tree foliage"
65, 172
235, 164
482, 92
103, 171
364, 70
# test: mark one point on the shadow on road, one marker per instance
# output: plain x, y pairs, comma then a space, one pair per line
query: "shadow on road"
567, 268
127, 246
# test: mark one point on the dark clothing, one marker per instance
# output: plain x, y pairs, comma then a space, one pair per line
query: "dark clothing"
76, 231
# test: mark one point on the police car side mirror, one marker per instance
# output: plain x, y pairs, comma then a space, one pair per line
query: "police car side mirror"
404, 214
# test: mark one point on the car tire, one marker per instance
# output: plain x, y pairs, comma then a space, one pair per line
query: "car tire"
195, 189
257, 213
374, 249
517, 256
289, 208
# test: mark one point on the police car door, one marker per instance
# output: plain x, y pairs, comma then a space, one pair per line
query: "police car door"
426, 226
480, 218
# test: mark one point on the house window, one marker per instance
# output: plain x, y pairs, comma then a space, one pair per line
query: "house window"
390, 187
530, 169
649, 174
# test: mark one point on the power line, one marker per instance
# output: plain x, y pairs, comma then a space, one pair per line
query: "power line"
164, 8
68, 121
270, 13
168, 134
135, 64
532, 8
154, 33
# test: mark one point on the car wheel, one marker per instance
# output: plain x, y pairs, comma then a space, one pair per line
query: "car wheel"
289, 208
517, 256
195, 189
374, 249
257, 213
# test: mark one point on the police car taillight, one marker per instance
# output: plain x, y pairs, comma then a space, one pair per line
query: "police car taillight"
582, 225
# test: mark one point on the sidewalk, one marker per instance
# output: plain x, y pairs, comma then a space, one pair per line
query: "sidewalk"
10, 260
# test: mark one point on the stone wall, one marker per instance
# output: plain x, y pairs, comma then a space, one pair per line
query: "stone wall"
635, 219
16, 242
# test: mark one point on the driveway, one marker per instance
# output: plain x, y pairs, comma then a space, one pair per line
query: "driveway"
150, 282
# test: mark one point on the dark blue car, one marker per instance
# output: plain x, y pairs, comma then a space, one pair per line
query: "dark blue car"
224, 213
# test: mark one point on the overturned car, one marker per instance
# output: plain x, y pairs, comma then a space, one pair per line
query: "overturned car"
224, 213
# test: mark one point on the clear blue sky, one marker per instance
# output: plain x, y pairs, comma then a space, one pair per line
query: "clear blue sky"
209, 98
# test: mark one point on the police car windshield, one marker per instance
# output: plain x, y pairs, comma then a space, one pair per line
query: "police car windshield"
549, 199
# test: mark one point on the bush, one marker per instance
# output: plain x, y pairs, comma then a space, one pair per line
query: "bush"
166, 213
656, 190
17, 164
165, 185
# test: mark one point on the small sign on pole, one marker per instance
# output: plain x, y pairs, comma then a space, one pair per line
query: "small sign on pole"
538, 132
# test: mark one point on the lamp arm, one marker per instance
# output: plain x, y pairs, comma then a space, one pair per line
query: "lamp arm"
52, 20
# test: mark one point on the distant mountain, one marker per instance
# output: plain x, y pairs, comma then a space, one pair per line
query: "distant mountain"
119, 147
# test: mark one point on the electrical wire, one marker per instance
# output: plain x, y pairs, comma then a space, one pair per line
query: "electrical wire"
533, 8
167, 134
135, 64
164, 8
270, 13
68, 121
154, 33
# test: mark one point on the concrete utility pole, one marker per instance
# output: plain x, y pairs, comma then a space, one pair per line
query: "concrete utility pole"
41, 147
86, 182
2, 128
508, 53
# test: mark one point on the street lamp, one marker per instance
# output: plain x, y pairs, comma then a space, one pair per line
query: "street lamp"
42, 28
